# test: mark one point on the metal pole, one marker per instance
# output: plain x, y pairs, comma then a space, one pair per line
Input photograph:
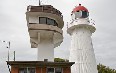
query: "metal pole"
8, 49
8, 54
14, 55
39, 2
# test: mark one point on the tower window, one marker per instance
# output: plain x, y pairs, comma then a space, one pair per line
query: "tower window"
42, 20
50, 21
26, 70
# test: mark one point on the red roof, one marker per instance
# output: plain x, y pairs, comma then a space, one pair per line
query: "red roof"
78, 8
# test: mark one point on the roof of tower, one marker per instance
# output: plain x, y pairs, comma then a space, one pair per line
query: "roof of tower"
44, 8
78, 8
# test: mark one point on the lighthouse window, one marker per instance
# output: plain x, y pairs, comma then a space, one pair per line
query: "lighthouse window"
84, 14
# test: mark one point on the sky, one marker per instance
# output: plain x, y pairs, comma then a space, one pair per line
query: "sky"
13, 28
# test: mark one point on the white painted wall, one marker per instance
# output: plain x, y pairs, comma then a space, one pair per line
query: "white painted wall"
81, 52
45, 50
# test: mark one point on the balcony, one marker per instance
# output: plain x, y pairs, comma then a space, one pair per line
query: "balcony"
44, 8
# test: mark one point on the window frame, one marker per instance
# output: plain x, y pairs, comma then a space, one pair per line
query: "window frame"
54, 69
60, 68
46, 21
49, 67
84, 14
27, 69
52, 20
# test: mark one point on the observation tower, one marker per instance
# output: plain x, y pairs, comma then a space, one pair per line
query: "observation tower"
45, 25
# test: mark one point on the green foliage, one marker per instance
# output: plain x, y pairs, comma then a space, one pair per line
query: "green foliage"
103, 69
60, 60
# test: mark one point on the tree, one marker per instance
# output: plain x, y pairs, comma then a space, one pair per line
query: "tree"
103, 69
60, 60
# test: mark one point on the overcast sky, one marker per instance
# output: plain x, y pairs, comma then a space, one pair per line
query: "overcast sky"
13, 27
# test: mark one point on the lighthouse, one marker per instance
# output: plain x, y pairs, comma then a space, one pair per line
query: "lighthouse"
45, 25
81, 50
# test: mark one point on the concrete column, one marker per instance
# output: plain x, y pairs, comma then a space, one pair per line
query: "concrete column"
45, 50
45, 46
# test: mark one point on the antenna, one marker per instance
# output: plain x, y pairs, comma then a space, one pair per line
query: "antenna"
39, 2
14, 55
8, 55
8, 49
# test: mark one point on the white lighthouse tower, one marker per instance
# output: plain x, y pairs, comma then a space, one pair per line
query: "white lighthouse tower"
45, 25
81, 50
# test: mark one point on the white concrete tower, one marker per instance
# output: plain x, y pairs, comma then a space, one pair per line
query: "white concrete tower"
45, 25
81, 50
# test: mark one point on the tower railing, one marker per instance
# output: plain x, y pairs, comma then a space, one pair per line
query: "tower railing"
44, 8
69, 24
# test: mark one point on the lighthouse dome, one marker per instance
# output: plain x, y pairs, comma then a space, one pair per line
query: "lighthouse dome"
80, 12
80, 8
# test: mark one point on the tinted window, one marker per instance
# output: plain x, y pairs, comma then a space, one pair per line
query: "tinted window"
50, 70
42, 20
58, 70
26, 70
31, 70
84, 14
22, 70
50, 21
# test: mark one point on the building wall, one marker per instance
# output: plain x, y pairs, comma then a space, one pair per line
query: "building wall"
66, 70
44, 70
40, 70
14, 69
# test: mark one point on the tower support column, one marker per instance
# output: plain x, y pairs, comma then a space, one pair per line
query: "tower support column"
45, 50
45, 46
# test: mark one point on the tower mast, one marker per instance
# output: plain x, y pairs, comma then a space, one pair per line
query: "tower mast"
39, 2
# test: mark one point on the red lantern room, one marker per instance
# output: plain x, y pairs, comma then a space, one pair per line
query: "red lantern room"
80, 12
